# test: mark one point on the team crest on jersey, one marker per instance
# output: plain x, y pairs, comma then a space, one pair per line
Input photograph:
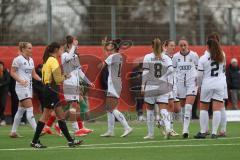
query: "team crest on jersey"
25, 63
190, 60
179, 60
193, 92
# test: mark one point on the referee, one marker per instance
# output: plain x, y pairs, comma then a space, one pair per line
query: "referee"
51, 78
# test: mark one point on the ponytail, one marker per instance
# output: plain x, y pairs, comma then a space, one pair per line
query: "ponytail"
215, 50
157, 46
46, 55
50, 49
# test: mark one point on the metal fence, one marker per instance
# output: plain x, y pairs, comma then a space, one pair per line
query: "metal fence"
140, 21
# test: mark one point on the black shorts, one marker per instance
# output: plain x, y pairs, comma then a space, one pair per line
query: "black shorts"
51, 97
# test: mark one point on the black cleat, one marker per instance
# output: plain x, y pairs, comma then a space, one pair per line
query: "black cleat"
200, 135
75, 143
214, 136
185, 135
37, 145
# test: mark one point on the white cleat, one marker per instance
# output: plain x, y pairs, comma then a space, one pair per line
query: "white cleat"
174, 133
148, 137
107, 134
127, 132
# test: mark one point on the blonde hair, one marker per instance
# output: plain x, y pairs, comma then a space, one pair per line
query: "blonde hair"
157, 46
22, 45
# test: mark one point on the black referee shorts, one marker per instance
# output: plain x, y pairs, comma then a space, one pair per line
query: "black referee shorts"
51, 96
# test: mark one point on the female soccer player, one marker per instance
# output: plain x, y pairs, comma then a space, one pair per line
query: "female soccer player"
23, 71
211, 79
52, 77
71, 87
114, 63
185, 63
204, 117
156, 66
173, 101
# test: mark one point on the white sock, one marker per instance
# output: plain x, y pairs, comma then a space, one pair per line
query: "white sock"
75, 126
207, 123
223, 122
111, 121
203, 119
166, 119
182, 112
216, 121
157, 111
31, 118
150, 122
17, 118
120, 117
187, 117
171, 120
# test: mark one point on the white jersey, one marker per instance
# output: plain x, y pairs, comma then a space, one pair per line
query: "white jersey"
114, 63
213, 72
185, 66
170, 78
71, 65
24, 68
157, 67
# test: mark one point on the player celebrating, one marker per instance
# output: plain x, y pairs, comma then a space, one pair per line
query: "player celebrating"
23, 71
211, 79
185, 63
156, 67
71, 86
52, 77
114, 63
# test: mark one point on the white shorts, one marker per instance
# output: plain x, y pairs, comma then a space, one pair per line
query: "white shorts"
159, 99
71, 93
114, 89
23, 93
208, 94
184, 91
225, 92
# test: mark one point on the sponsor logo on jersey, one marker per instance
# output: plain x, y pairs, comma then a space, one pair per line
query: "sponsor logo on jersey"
187, 67
28, 71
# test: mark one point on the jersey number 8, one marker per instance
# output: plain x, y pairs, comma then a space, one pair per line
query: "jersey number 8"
157, 70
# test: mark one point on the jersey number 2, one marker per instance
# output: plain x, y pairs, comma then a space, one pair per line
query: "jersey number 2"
215, 68
157, 70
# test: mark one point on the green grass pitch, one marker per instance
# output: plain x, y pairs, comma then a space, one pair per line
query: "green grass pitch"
132, 147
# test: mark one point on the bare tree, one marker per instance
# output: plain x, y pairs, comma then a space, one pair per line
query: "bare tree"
9, 11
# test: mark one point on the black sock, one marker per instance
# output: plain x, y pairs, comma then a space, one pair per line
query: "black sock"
64, 129
39, 128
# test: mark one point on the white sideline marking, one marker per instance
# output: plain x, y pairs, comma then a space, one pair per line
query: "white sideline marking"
126, 147
95, 146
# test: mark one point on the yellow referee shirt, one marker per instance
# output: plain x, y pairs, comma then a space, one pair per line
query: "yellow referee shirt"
51, 72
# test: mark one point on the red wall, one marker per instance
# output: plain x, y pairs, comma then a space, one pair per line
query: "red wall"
91, 56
